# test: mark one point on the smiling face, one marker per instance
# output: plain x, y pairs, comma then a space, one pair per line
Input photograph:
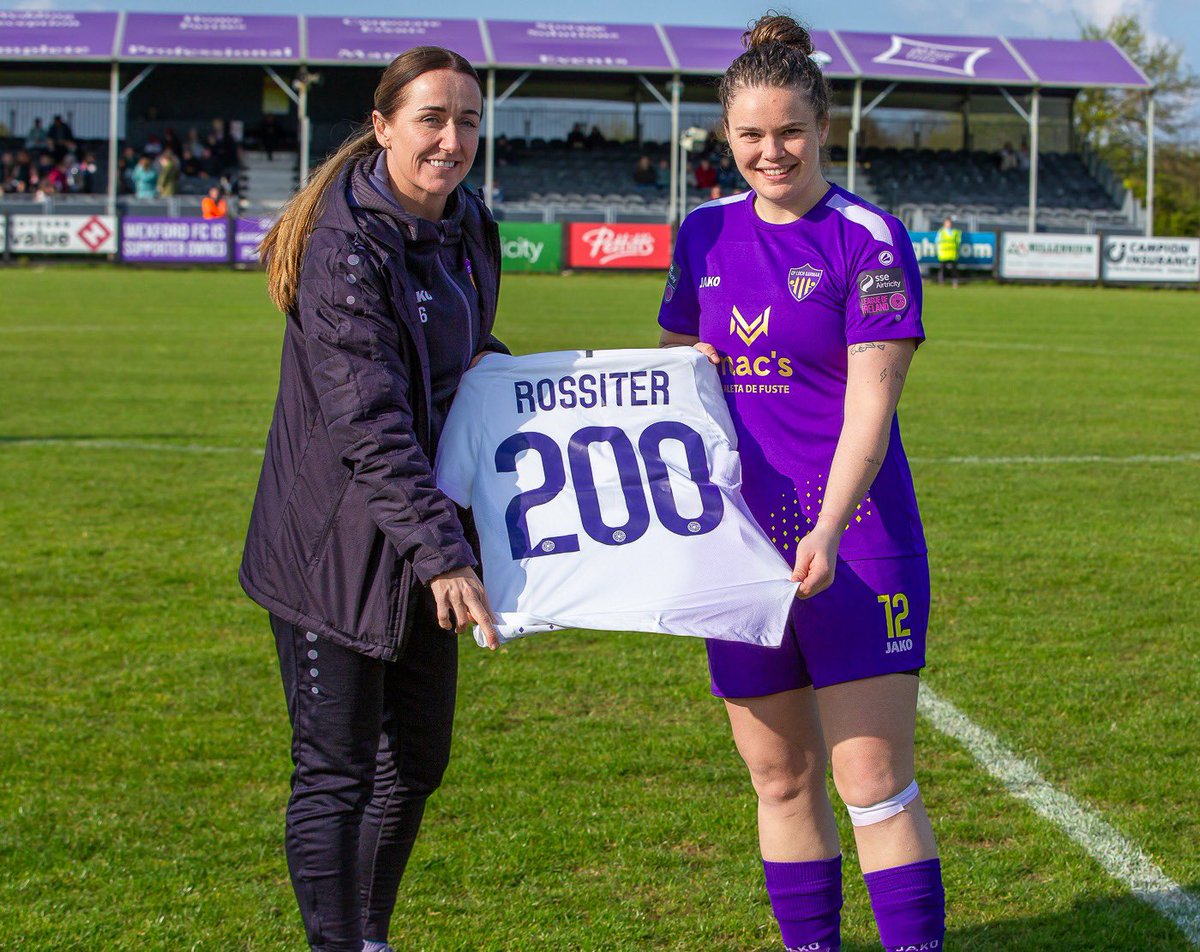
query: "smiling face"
431, 140
776, 141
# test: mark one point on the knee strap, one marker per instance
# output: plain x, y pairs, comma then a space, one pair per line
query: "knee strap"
865, 816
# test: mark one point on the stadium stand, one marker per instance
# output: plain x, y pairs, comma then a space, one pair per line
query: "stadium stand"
924, 186
546, 181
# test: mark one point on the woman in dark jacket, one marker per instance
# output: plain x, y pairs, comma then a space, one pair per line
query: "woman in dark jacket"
388, 272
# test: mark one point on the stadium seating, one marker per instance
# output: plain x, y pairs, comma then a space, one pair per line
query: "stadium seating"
541, 180
924, 186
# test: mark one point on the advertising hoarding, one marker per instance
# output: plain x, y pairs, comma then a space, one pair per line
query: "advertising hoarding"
530, 246
1050, 257
175, 240
247, 233
599, 245
977, 251
1155, 260
379, 40
63, 234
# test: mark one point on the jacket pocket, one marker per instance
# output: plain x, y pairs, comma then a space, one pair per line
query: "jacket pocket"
403, 605
330, 519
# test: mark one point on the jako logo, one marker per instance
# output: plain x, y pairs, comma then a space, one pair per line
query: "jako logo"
606, 245
749, 331
713, 281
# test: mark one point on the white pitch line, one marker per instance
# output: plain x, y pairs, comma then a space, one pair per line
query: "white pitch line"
919, 460
128, 445
1122, 859
1053, 460
1123, 352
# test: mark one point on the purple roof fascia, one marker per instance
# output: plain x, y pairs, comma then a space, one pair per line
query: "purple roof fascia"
56, 35
218, 37
376, 41
1079, 63
710, 49
555, 44
946, 59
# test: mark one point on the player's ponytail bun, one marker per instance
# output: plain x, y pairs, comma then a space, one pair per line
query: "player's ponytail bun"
779, 54
776, 28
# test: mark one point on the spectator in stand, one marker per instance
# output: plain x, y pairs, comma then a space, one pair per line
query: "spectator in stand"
189, 165
662, 175
56, 178
8, 165
269, 135
644, 176
125, 166
60, 131
37, 139
153, 147
504, 150
727, 176
144, 179
706, 175
595, 139
576, 138
21, 177
949, 245
168, 174
1008, 158
45, 165
213, 205
208, 164
1023, 157
171, 141
84, 174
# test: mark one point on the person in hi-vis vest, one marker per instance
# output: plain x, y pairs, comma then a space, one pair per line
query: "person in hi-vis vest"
949, 241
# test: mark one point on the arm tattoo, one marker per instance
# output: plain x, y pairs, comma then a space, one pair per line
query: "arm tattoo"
860, 348
873, 461
882, 376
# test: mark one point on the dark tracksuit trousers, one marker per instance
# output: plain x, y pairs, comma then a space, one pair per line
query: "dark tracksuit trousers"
370, 742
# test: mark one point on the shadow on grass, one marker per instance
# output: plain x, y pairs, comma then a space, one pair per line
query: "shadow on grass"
1092, 924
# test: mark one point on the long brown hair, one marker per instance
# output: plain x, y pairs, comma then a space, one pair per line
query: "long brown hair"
282, 250
779, 54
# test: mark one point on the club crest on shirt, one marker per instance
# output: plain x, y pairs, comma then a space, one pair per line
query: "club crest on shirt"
804, 280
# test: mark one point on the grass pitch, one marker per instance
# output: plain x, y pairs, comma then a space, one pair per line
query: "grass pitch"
594, 801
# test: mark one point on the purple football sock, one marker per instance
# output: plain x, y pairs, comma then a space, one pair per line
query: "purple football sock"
910, 906
807, 901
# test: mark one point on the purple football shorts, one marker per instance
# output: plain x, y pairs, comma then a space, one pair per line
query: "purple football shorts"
872, 620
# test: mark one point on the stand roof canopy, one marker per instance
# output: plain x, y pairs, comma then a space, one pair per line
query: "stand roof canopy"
60, 36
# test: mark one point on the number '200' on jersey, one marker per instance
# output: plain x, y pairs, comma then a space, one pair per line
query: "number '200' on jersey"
606, 489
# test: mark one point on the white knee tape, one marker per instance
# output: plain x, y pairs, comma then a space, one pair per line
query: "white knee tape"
865, 816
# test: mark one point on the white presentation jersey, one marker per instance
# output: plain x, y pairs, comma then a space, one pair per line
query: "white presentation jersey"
606, 490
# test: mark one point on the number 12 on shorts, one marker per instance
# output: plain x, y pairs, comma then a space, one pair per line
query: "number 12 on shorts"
895, 610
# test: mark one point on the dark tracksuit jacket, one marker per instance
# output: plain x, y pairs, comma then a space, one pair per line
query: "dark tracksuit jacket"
347, 522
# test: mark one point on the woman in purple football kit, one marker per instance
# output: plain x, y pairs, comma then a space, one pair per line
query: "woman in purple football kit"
808, 301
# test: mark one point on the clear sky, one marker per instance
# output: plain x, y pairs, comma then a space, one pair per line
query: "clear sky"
1178, 20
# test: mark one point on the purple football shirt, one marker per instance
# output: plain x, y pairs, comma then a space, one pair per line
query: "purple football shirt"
781, 304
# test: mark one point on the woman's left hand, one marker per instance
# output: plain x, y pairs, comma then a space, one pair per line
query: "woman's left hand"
816, 561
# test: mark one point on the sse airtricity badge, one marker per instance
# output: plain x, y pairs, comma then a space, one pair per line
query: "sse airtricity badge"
803, 281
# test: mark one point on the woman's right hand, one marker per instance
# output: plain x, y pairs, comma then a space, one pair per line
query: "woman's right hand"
460, 594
